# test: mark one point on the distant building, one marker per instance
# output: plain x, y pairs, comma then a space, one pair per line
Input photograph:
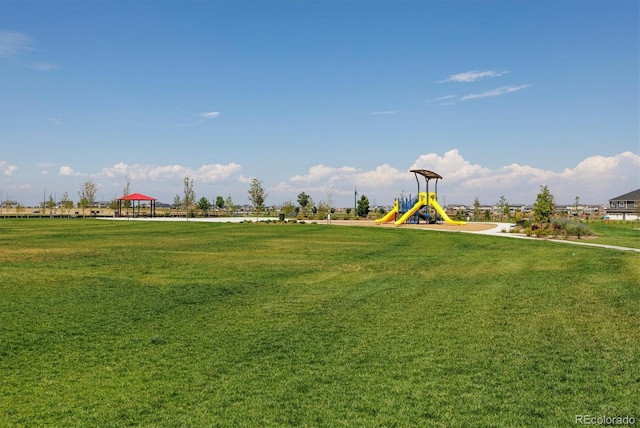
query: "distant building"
625, 207
10, 204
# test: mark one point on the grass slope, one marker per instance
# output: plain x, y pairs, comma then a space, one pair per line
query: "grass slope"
189, 324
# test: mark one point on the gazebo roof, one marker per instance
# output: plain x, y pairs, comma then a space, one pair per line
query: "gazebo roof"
426, 173
137, 197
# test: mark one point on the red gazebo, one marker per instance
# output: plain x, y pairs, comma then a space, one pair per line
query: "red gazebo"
137, 197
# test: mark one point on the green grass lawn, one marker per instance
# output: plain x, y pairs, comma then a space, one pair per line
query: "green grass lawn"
106, 323
623, 234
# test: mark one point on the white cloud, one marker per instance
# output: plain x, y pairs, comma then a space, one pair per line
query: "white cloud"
440, 99
6, 169
494, 92
206, 173
594, 180
45, 164
472, 76
42, 66
376, 113
383, 176
452, 99
14, 43
341, 181
209, 115
452, 165
67, 171
216, 172
321, 172
54, 120
245, 180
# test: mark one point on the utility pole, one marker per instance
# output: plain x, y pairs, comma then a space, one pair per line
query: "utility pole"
355, 195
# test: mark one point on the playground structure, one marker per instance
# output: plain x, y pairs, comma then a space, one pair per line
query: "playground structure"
412, 210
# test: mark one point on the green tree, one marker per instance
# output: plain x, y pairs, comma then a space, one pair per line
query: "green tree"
362, 209
113, 205
51, 204
66, 203
219, 202
177, 202
330, 201
544, 207
189, 195
503, 207
204, 205
257, 195
288, 209
127, 190
323, 209
84, 204
476, 209
228, 204
303, 201
87, 195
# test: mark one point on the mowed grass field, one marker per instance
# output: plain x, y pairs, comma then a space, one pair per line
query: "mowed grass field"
623, 234
106, 323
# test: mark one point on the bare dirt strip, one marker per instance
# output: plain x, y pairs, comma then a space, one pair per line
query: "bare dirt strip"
469, 227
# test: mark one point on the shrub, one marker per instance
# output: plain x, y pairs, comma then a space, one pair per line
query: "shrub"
540, 232
577, 229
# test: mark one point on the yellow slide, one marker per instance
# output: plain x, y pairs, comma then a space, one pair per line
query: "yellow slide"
391, 215
434, 203
422, 201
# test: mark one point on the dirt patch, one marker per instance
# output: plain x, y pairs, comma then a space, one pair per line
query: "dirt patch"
469, 227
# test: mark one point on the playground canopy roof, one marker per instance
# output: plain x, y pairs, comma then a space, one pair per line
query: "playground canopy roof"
426, 173
136, 197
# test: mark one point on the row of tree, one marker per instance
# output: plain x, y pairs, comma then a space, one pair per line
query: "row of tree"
188, 202
86, 195
544, 207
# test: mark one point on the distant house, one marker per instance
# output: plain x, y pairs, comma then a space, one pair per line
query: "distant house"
10, 204
625, 207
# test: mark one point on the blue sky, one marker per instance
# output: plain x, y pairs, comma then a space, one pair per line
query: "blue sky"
499, 97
